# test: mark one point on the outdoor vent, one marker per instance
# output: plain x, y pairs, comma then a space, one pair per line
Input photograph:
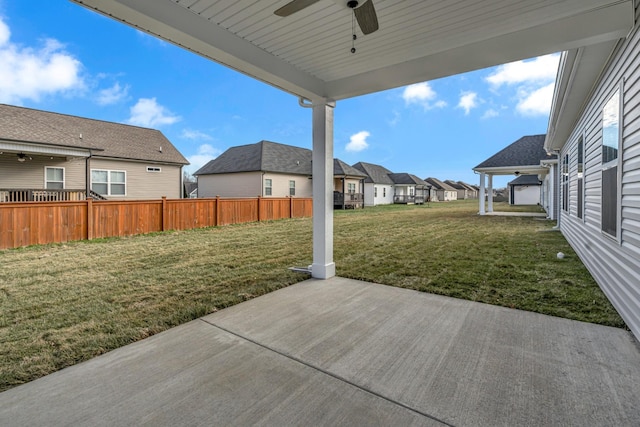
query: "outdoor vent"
153, 169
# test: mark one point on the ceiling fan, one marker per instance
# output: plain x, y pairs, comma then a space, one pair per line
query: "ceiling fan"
363, 10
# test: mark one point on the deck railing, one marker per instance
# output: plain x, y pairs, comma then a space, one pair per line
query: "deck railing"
408, 199
348, 200
30, 195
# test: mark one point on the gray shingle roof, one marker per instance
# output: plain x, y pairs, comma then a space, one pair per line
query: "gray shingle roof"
527, 151
340, 168
408, 179
526, 180
106, 139
454, 184
375, 173
263, 156
439, 185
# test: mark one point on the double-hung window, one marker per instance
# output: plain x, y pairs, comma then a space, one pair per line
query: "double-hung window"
292, 188
580, 176
267, 187
351, 188
54, 178
109, 183
610, 145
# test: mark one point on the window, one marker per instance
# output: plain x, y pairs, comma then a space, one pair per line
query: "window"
580, 157
109, 183
292, 188
565, 183
411, 191
384, 192
54, 178
153, 169
267, 187
610, 145
351, 188
375, 191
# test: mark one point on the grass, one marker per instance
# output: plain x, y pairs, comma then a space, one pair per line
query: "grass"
62, 304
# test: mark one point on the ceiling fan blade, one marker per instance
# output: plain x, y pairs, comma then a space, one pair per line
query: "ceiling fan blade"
366, 17
294, 6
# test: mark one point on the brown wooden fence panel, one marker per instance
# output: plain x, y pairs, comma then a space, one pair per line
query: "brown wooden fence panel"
29, 223
302, 208
185, 214
32, 223
126, 218
237, 211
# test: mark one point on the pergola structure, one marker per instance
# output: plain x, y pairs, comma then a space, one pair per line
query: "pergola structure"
308, 53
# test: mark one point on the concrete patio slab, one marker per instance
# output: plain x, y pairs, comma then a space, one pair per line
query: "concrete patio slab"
345, 352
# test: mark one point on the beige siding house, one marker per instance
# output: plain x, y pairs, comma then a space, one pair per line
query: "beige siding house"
268, 169
51, 156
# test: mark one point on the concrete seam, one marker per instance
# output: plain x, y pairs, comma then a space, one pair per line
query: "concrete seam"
331, 374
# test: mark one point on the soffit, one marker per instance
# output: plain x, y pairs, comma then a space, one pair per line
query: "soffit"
308, 53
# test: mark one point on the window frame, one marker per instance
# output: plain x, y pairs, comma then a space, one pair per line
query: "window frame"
580, 175
47, 181
268, 189
292, 187
564, 183
110, 182
611, 164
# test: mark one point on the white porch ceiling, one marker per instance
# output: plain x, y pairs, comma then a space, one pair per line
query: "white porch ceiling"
308, 53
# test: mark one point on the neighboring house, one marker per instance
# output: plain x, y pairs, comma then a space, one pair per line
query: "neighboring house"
378, 186
594, 126
472, 190
266, 169
461, 189
526, 156
443, 192
409, 189
524, 190
190, 190
52, 156
348, 186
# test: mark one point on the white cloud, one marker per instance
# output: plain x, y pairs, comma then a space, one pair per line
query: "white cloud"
358, 142
490, 113
422, 94
542, 69
195, 134
205, 154
395, 120
148, 113
534, 81
113, 94
536, 103
468, 100
30, 73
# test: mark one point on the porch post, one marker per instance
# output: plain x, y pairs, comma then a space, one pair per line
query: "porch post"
481, 195
490, 194
323, 266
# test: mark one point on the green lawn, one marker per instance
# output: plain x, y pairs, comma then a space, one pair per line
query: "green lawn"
62, 304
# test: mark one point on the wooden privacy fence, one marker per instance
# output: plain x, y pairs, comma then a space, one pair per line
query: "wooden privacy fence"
31, 223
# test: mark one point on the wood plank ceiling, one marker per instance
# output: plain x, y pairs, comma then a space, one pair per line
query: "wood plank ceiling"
308, 53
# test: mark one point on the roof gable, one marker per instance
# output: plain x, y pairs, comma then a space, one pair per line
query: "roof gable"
340, 168
106, 139
376, 174
526, 151
439, 185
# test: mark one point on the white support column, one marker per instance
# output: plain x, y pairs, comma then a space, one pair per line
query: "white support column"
481, 196
323, 266
490, 194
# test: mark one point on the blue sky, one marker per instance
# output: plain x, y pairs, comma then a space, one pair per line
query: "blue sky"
57, 56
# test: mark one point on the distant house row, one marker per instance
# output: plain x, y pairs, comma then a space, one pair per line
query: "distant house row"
271, 169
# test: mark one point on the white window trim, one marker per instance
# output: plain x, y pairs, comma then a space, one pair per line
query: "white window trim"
109, 181
64, 176
617, 162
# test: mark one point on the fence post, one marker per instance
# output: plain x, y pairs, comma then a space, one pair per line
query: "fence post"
290, 207
89, 218
217, 210
259, 210
164, 213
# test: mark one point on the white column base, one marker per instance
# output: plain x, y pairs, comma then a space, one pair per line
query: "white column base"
319, 271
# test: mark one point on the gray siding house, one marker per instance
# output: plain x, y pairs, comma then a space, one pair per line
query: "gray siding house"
49, 156
595, 127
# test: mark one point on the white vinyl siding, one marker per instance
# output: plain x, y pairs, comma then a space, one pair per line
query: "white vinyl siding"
612, 260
